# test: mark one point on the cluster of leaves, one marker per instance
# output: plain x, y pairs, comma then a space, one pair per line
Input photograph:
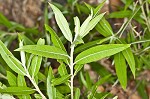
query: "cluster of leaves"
26, 80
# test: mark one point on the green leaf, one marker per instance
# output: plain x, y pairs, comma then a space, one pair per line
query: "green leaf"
83, 79
99, 69
99, 52
99, 7
12, 79
77, 25
35, 65
21, 80
88, 6
128, 3
82, 8
77, 68
104, 97
11, 61
116, 97
36, 61
86, 46
121, 69
22, 54
58, 81
59, 95
37, 96
91, 25
25, 39
88, 80
62, 23
142, 90
77, 93
85, 25
51, 90
63, 89
62, 69
6, 96
45, 51
5, 21
78, 40
130, 59
104, 28
17, 90
95, 86
120, 14
18, 64
55, 39
41, 77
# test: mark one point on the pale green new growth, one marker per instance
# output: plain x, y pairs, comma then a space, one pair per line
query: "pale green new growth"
62, 23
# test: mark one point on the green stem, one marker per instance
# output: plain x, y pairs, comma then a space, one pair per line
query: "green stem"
71, 69
36, 86
23, 60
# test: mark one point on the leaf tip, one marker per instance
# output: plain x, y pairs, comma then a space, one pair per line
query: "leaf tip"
18, 49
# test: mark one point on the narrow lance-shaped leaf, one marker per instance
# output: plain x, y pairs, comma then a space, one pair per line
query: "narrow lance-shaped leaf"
45, 51
77, 68
35, 65
86, 46
41, 77
91, 25
51, 90
83, 79
12, 80
99, 52
25, 39
58, 81
55, 39
77, 93
11, 61
88, 80
104, 97
62, 23
120, 66
21, 82
120, 14
36, 61
64, 89
62, 69
95, 86
22, 54
17, 90
6, 96
88, 6
19, 65
98, 8
104, 28
77, 25
5, 21
130, 59
85, 25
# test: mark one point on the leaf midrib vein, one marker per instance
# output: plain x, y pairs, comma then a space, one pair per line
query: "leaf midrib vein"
96, 53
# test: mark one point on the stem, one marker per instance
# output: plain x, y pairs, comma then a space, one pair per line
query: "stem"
36, 86
23, 60
71, 69
144, 15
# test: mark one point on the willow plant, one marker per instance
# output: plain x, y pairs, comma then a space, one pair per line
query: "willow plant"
29, 65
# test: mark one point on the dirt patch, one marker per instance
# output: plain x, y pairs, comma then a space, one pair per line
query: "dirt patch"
25, 12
